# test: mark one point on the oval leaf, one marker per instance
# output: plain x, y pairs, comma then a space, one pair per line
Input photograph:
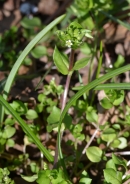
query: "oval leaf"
108, 135
81, 63
10, 143
30, 23
9, 132
112, 176
53, 119
119, 161
91, 115
123, 143
31, 114
39, 51
30, 178
94, 154
60, 61
105, 103
110, 164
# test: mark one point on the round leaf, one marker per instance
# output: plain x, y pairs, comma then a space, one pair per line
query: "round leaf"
30, 23
53, 119
123, 143
10, 143
9, 121
94, 154
31, 114
9, 132
39, 51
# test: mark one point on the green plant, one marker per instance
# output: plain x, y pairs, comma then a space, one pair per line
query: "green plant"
112, 136
4, 178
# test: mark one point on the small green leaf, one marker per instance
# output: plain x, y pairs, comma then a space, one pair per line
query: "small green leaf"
19, 107
123, 143
68, 122
27, 61
81, 63
8, 132
31, 114
86, 48
119, 161
119, 62
34, 167
10, 143
106, 104
91, 115
115, 143
43, 177
120, 98
116, 126
39, 108
30, 23
108, 135
2, 142
41, 97
85, 181
53, 119
85, 178
126, 134
9, 121
39, 51
110, 164
60, 61
30, 178
112, 176
94, 154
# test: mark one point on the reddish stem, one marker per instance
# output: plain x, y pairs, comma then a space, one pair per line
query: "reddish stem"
71, 63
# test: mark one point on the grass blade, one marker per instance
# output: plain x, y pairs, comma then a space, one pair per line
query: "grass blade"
85, 89
116, 86
116, 20
26, 129
19, 61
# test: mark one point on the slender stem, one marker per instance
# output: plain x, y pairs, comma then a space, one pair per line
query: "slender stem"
71, 63
68, 80
118, 153
93, 136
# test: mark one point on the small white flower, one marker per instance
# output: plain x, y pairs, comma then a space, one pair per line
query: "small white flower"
69, 43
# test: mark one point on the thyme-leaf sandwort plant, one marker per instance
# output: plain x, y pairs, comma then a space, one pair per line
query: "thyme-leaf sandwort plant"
72, 38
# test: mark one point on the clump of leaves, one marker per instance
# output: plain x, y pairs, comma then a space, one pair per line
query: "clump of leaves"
73, 36
4, 176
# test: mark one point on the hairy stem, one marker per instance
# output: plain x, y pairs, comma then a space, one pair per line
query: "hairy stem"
71, 63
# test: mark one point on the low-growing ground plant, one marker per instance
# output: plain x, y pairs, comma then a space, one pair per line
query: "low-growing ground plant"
99, 149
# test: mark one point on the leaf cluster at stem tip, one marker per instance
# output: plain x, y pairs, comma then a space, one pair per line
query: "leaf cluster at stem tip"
73, 36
